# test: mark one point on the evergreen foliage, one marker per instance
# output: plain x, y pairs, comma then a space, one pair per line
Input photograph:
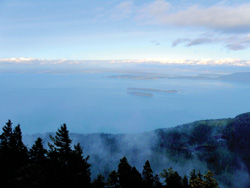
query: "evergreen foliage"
113, 181
64, 166
147, 175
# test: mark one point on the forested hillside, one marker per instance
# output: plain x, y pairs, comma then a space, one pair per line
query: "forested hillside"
64, 166
221, 146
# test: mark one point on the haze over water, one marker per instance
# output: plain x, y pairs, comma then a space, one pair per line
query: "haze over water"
96, 102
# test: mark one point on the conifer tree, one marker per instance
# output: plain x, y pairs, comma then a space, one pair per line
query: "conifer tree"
17, 145
113, 181
210, 181
79, 167
99, 182
147, 175
192, 175
136, 178
185, 182
6, 136
61, 141
157, 183
13, 154
37, 152
172, 178
5, 154
124, 173
68, 166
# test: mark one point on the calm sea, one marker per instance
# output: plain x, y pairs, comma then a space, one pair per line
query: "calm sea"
95, 102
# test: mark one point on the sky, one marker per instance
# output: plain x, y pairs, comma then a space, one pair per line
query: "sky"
141, 30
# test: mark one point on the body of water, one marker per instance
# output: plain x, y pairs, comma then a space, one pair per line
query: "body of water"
95, 102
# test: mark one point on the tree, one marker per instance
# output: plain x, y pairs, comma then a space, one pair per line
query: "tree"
5, 154
210, 182
136, 179
185, 182
61, 141
13, 155
68, 166
79, 167
99, 182
157, 183
192, 175
37, 152
124, 173
205, 181
172, 178
6, 136
147, 175
113, 181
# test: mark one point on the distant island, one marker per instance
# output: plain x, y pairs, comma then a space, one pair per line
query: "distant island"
240, 76
136, 77
141, 94
153, 90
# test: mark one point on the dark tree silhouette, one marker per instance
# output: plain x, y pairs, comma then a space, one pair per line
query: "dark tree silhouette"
136, 179
63, 166
172, 178
37, 152
68, 166
157, 183
147, 175
113, 181
99, 182
124, 173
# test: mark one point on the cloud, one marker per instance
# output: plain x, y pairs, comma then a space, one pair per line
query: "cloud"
123, 10
156, 43
198, 41
235, 42
218, 17
109, 63
211, 62
155, 9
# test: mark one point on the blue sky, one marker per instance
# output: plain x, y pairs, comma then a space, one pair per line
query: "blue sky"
118, 30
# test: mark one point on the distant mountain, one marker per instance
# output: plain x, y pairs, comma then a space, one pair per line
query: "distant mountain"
241, 76
220, 145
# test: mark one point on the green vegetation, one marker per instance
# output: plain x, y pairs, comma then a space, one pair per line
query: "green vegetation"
64, 166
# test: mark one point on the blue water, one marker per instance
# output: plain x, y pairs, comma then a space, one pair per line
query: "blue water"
97, 103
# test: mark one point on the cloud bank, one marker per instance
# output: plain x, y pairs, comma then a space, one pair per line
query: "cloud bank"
230, 24
217, 17
167, 61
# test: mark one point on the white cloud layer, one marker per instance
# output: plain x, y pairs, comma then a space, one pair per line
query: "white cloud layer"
219, 17
211, 62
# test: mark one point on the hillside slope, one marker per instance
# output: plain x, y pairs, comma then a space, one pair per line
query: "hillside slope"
220, 145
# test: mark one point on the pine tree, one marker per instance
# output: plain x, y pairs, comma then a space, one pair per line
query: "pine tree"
61, 141
185, 182
136, 178
192, 175
124, 173
157, 183
18, 149
14, 155
210, 182
172, 178
6, 136
37, 152
113, 181
99, 182
68, 166
79, 167
59, 156
5, 154
147, 175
